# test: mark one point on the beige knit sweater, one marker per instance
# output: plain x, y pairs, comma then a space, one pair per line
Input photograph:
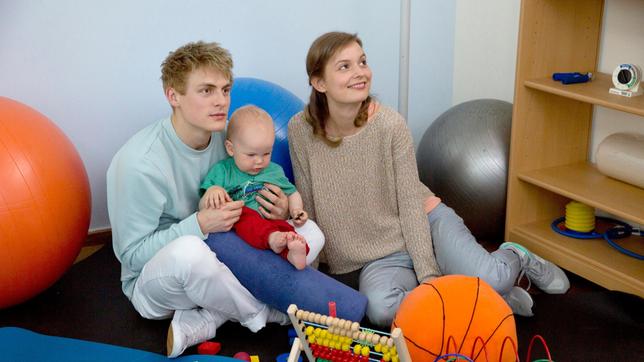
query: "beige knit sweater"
364, 194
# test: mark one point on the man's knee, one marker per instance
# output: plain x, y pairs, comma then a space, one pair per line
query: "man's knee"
187, 249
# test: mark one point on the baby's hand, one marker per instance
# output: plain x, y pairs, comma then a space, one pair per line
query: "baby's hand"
299, 217
215, 197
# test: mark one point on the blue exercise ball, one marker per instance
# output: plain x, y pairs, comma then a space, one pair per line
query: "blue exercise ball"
280, 103
463, 159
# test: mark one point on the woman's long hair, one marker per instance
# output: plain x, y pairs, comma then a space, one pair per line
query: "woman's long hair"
316, 113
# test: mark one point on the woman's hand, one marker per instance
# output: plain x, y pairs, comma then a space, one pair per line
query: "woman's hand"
273, 203
299, 217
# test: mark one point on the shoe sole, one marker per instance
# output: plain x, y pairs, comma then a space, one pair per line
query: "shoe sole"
170, 341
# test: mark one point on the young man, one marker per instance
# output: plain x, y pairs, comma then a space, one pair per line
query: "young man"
153, 193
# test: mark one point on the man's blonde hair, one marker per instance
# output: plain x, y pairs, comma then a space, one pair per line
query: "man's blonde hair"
176, 68
247, 112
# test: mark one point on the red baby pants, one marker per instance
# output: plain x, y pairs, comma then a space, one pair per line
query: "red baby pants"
254, 229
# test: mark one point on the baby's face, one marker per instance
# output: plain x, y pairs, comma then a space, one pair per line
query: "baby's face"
252, 148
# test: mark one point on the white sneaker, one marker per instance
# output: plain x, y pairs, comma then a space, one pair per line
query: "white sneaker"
519, 301
189, 327
544, 274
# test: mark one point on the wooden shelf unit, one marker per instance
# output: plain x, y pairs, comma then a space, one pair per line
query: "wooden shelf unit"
551, 129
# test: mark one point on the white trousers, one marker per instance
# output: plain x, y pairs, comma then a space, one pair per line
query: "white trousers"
186, 274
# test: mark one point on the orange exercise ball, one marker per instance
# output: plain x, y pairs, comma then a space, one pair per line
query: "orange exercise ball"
44, 202
457, 315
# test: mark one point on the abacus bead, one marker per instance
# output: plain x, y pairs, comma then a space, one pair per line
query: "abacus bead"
375, 339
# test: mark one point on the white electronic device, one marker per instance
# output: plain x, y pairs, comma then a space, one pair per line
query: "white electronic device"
626, 80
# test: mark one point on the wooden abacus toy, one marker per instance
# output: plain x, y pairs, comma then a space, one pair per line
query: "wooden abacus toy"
327, 338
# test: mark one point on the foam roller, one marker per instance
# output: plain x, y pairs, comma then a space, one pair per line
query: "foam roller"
277, 283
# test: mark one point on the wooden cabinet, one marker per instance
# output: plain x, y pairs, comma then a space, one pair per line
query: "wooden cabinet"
549, 158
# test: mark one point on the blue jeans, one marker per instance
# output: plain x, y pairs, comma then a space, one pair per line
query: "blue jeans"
387, 281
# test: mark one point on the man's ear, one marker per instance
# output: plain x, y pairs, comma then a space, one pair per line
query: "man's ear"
318, 84
171, 96
229, 147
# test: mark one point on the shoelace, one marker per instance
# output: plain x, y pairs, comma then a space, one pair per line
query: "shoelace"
521, 275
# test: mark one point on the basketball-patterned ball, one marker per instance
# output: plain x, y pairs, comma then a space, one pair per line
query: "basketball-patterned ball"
457, 314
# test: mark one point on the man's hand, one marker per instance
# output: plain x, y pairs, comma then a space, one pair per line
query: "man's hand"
214, 198
219, 220
273, 203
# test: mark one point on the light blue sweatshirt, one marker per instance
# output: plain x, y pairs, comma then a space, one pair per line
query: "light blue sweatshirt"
153, 194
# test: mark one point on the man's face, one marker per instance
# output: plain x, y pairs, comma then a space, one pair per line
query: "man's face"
204, 106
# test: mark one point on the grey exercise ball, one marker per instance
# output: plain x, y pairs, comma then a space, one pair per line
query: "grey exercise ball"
463, 159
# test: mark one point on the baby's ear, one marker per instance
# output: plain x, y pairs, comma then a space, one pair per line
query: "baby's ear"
229, 147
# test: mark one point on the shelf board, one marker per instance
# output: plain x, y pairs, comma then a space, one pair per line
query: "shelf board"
593, 92
584, 183
592, 259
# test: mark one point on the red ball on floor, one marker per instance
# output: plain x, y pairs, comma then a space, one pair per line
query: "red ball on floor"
209, 348
242, 356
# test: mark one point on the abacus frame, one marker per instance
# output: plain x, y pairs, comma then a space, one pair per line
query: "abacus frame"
301, 319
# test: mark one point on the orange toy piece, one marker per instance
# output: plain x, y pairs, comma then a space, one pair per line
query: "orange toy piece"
44, 202
457, 314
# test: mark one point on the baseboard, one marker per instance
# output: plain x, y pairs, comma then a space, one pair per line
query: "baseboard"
94, 241
99, 237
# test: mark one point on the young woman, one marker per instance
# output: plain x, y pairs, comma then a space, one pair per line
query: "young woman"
355, 166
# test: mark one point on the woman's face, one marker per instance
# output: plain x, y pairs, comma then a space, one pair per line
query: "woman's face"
347, 77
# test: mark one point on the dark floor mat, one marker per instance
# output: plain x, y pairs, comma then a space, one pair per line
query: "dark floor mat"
87, 303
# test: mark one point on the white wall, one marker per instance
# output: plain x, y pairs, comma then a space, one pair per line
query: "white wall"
622, 41
92, 67
485, 49
431, 61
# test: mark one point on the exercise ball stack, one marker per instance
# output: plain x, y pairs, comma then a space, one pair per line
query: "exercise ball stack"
463, 159
44, 203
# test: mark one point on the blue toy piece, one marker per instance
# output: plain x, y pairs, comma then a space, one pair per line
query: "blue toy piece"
19, 344
284, 357
277, 283
279, 103
572, 77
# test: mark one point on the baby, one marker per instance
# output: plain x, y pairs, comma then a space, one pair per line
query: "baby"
249, 142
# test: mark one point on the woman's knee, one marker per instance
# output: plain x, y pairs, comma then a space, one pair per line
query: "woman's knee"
381, 309
383, 304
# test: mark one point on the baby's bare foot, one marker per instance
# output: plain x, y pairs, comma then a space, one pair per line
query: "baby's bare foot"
296, 245
277, 241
